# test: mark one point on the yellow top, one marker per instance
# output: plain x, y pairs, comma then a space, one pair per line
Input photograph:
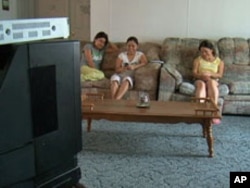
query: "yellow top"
209, 66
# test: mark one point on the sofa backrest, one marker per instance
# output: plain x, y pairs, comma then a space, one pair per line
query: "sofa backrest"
181, 52
235, 54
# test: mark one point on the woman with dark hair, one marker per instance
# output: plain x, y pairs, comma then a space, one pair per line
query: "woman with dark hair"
93, 55
207, 70
126, 64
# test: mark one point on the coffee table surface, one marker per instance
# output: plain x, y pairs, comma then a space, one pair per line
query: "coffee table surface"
157, 108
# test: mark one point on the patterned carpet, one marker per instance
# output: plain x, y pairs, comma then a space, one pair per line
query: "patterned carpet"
128, 155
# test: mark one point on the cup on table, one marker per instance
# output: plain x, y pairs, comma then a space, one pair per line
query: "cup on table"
143, 97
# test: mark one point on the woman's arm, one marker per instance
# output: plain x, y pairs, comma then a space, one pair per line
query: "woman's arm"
143, 61
118, 66
220, 72
195, 68
89, 58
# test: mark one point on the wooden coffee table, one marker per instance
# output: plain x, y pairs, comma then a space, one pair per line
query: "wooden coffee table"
172, 112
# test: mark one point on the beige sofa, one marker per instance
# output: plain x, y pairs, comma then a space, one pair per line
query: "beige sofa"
146, 77
173, 79
176, 82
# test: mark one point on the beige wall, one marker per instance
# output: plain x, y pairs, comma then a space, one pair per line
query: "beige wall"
11, 13
154, 20
18, 9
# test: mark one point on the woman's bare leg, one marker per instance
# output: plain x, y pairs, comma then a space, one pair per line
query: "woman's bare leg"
114, 88
123, 89
200, 91
213, 91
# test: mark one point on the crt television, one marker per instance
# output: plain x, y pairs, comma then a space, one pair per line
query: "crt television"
40, 114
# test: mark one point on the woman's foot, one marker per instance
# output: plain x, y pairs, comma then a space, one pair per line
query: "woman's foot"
216, 121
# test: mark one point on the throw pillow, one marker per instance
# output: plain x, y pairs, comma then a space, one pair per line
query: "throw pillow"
187, 88
88, 73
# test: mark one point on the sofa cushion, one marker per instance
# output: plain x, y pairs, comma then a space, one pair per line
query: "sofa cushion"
104, 83
240, 88
237, 104
189, 89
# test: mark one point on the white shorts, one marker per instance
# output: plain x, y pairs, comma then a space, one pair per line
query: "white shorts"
119, 78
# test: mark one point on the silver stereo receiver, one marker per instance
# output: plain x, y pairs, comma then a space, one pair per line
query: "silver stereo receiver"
24, 30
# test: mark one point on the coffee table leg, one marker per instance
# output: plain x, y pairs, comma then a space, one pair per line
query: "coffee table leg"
209, 137
204, 132
89, 124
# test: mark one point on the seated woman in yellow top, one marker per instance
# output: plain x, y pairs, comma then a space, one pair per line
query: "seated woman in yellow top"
207, 70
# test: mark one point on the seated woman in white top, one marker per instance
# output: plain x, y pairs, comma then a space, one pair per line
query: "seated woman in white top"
126, 64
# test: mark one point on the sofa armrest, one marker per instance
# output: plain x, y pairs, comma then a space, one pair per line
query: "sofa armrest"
146, 77
167, 84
